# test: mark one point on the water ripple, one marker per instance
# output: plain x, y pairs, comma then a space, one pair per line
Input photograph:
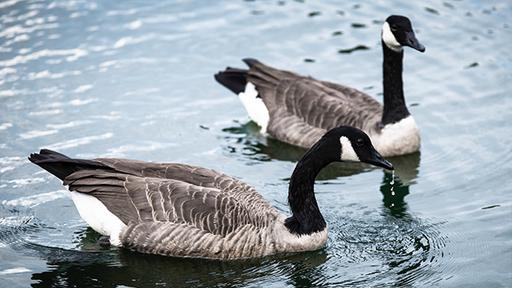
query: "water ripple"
73, 72
390, 250
37, 133
78, 141
35, 200
69, 54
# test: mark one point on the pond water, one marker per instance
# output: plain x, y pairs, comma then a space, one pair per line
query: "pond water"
135, 80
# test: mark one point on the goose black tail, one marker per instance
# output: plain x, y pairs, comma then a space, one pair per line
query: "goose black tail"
234, 79
61, 165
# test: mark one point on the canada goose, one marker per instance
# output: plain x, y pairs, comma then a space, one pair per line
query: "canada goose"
186, 211
298, 109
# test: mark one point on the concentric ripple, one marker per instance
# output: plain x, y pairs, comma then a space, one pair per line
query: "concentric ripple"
387, 250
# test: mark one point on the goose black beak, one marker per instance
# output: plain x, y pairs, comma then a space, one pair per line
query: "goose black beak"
377, 160
411, 41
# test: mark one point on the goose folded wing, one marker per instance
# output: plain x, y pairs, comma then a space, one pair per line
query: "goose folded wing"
318, 104
187, 173
302, 111
199, 176
355, 96
293, 129
136, 199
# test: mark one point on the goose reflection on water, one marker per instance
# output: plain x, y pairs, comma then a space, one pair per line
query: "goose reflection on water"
111, 266
395, 186
246, 140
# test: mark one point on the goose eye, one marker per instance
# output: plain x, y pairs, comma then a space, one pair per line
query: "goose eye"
359, 142
394, 28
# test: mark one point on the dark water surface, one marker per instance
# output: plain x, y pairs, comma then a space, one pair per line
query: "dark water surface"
134, 79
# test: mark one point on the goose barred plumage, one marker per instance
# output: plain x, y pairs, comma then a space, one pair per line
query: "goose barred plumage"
187, 211
299, 110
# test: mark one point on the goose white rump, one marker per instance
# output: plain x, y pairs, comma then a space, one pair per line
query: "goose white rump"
97, 216
254, 106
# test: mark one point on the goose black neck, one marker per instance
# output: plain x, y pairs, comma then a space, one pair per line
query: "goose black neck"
306, 218
394, 102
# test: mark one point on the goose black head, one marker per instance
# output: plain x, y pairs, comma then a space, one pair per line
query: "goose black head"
346, 143
397, 32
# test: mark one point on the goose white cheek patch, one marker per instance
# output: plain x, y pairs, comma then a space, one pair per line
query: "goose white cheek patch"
389, 39
347, 151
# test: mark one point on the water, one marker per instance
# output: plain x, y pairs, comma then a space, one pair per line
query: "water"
134, 80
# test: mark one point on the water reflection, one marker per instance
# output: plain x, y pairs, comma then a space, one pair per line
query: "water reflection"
114, 267
407, 167
393, 193
364, 248
246, 140
395, 186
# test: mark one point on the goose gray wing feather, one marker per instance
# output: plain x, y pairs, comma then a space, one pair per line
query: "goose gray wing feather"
193, 210
292, 129
218, 207
355, 95
180, 210
176, 218
306, 103
199, 176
